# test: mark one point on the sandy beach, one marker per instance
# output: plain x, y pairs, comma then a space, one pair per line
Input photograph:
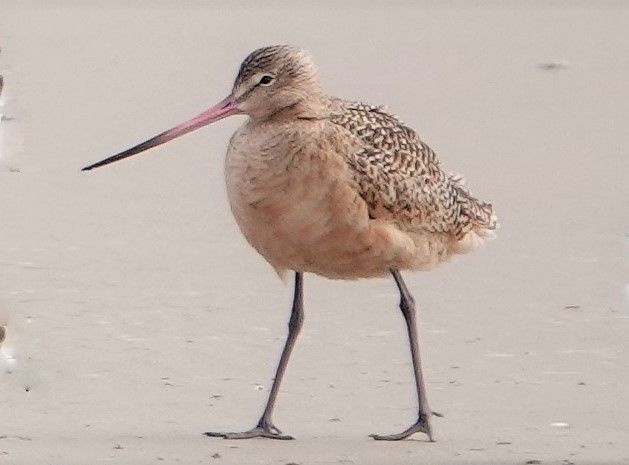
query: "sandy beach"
137, 317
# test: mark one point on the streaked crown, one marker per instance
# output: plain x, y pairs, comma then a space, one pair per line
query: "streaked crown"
272, 78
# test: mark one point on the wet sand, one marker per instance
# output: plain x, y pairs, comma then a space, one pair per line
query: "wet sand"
137, 317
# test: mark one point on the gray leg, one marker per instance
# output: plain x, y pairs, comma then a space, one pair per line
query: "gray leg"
265, 427
422, 425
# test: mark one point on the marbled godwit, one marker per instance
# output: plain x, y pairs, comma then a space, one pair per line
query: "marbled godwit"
337, 188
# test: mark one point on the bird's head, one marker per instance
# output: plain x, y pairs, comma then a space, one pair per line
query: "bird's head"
270, 79
273, 78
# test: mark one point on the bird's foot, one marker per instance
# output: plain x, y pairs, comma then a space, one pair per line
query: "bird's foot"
263, 430
421, 426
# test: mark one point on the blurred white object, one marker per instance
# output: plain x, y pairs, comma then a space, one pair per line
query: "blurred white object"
1, 98
7, 360
560, 424
11, 141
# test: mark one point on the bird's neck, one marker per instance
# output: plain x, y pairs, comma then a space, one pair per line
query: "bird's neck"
313, 107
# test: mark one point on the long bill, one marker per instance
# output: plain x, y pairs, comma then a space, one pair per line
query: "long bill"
223, 109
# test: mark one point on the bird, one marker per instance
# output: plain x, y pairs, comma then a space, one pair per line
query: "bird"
337, 188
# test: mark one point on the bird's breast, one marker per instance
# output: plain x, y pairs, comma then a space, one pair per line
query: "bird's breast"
293, 200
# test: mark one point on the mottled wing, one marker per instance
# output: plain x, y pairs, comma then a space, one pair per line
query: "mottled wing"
400, 177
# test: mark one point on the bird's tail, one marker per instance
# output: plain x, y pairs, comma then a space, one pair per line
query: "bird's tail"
478, 220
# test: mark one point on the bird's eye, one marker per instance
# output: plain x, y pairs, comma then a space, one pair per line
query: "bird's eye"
266, 80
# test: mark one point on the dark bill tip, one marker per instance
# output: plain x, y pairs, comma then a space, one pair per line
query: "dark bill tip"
219, 111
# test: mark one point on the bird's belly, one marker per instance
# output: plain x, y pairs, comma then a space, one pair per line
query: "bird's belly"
304, 226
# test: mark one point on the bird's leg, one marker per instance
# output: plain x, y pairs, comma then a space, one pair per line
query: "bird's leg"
265, 428
422, 425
